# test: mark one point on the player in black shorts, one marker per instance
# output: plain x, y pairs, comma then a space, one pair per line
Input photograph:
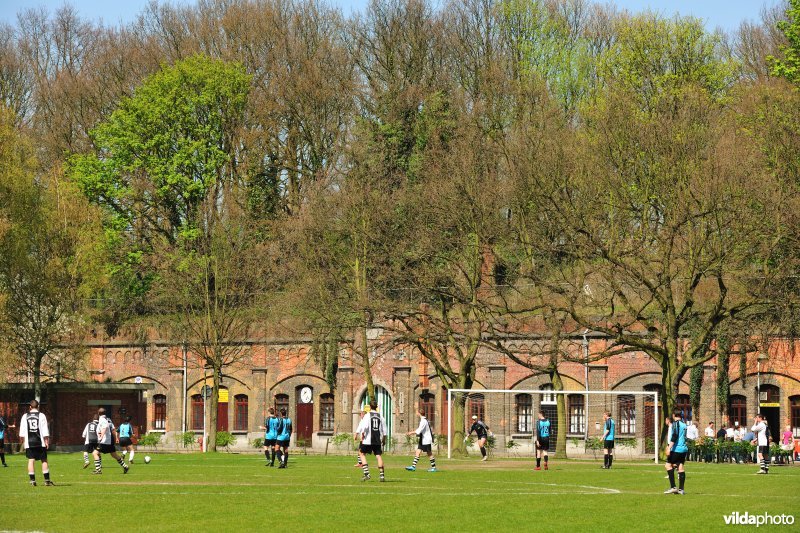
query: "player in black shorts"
542, 440
3, 428
35, 438
482, 431
372, 432
89, 441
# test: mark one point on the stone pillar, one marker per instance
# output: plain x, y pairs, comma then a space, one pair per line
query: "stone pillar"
345, 410
174, 424
598, 377
498, 410
709, 410
406, 401
259, 404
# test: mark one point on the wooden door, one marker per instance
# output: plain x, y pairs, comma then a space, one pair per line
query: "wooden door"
222, 416
304, 425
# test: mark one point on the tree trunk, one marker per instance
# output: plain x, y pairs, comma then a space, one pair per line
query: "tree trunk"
669, 386
458, 447
37, 378
365, 361
561, 415
211, 411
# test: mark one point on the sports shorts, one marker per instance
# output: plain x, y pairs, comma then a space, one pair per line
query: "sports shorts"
125, 441
270, 442
107, 448
676, 458
608, 444
37, 453
89, 448
374, 449
282, 443
544, 444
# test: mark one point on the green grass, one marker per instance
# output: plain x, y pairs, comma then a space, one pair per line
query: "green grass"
218, 492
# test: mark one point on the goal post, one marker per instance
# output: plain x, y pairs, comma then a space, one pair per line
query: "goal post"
511, 415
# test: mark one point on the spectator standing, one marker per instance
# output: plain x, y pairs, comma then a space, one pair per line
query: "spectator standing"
692, 434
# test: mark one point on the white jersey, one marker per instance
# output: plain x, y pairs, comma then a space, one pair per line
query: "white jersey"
424, 430
691, 432
105, 430
33, 429
710, 432
372, 428
760, 430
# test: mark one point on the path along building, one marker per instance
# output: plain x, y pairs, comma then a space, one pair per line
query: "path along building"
160, 387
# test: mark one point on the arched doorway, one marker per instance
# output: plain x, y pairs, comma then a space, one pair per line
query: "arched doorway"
304, 395
384, 408
222, 409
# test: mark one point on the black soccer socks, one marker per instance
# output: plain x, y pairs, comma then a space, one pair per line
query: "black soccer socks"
483, 451
538, 462
681, 479
671, 474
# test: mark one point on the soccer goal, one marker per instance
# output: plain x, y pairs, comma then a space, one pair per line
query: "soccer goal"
511, 416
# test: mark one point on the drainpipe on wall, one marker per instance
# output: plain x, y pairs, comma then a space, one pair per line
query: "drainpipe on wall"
586, 382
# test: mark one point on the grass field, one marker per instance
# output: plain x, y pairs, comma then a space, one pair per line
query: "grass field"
222, 492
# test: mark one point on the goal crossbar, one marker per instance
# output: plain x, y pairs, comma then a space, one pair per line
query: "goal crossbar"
654, 394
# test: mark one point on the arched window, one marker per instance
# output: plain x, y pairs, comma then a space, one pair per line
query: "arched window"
427, 403
626, 418
281, 402
683, 403
769, 394
548, 399
524, 412
240, 414
794, 415
577, 417
737, 409
197, 412
475, 407
159, 411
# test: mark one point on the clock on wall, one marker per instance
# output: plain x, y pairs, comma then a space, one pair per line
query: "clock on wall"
305, 395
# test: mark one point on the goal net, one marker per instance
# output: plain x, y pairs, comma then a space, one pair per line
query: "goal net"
576, 420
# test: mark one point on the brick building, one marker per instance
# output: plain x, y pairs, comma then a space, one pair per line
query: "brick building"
160, 386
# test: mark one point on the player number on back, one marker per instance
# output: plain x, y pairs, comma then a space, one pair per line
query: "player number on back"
33, 424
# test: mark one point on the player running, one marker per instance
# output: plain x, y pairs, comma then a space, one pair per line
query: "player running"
677, 454
372, 432
35, 438
609, 433
542, 439
424, 434
271, 425
89, 440
762, 441
482, 432
105, 443
126, 439
282, 443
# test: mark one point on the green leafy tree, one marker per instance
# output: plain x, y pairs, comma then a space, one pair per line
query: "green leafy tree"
789, 65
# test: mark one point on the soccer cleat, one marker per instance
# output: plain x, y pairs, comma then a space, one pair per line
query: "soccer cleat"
366, 477
762, 471
485, 458
604, 467
49, 483
86, 464
281, 465
383, 480
5, 465
681, 492
545, 466
97, 472
33, 483
358, 465
537, 468
672, 490
411, 468
432, 470
125, 469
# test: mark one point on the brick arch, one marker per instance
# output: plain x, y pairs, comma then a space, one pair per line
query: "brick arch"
295, 377
130, 378
578, 384
767, 378
640, 380
227, 376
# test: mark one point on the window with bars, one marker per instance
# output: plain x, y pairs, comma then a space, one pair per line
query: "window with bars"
240, 412
281, 402
577, 415
626, 419
548, 399
197, 412
476, 407
524, 413
794, 414
427, 403
159, 411
737, 409
326, 412
684, 404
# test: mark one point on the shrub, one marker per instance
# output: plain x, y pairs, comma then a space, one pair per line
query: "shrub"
225, 439
258, 442
151, 439
187, 439
342, 439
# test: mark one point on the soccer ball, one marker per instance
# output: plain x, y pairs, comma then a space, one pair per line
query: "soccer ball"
146, 459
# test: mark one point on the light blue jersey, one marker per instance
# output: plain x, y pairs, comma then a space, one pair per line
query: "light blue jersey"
611, 427
679, 436
286, 429
273, 424
125, 430
2, 428
543, 429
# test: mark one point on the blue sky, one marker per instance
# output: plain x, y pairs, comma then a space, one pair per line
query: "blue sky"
723, 13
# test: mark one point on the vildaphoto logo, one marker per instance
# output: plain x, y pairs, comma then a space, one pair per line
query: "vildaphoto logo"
765, 519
